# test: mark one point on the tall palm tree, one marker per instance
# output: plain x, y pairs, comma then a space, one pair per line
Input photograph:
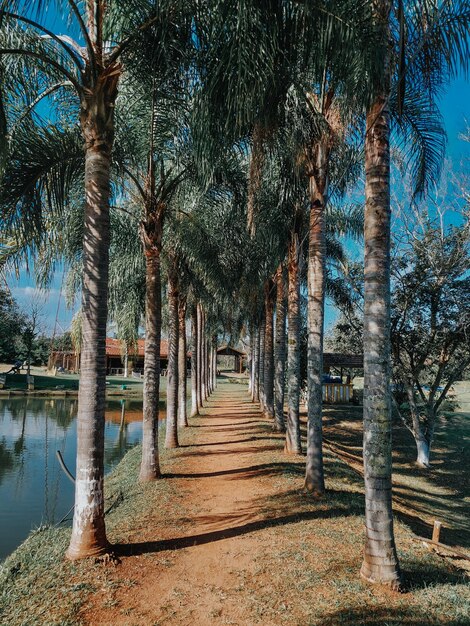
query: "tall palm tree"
171, 439
280, 349
293, 443
182, 361
93, 71
437, 46
269, 350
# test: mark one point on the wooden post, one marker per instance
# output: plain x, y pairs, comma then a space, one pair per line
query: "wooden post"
30, 382
436, 531
3, 380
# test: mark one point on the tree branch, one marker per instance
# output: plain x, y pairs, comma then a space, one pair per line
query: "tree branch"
46, 59
47, 32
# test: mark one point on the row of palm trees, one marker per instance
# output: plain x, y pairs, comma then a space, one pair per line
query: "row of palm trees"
177, 103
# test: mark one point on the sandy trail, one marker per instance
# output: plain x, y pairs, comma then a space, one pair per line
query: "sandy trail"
183, 571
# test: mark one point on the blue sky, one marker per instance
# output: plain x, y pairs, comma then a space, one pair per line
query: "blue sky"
455, 107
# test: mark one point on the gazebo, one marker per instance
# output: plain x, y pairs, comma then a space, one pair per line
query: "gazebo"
239, 357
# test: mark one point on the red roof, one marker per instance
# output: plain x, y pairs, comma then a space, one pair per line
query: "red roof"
114, 347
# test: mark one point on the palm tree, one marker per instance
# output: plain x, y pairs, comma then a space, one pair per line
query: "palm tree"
293, 443
194, 369
280, 349
94, 72
268, 386
171, 439
182, 361
439, 46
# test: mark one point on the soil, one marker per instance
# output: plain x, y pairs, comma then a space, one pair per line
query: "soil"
237, 541
220, 478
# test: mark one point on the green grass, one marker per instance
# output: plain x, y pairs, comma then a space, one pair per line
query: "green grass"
39, 587
69, 382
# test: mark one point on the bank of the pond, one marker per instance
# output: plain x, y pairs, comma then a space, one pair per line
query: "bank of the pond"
38, 586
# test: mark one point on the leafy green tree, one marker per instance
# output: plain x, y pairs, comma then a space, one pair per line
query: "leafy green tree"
28, 343
12, 324
430, 326
91, 67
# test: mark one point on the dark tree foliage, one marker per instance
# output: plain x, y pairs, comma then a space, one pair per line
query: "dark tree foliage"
12, 325
430, 326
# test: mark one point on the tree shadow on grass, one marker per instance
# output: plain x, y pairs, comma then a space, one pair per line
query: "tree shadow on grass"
368, 615
244, 450
178, 543
220, 443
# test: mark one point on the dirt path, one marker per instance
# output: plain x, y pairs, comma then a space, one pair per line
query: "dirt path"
229, 537
206, 548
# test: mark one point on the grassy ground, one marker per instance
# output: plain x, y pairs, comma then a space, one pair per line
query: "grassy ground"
69, 382
304, 570
422, 495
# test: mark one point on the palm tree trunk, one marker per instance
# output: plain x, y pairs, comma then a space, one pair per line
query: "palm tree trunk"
380, 563
268, 353
199, 355
254, 361
171, 438
182, 364
293, 444
203, 357
214, 361
262, 340
208, 367
150, 468
280, 351
194, 372
257, 339
314, 478
88, 532
250, 361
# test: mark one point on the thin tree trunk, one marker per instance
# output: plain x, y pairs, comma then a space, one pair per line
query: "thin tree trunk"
209, 368
194, 373
422, 444
182, 364
262, 339
149, 467
215, 361
280, 351
203, 357
199, 356
88, 532
250, 361
314, 478
151, 235
208, 371
256, 397
171, 438
293, 444
269, 353
380, 563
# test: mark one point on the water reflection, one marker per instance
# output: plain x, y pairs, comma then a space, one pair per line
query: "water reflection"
33, 488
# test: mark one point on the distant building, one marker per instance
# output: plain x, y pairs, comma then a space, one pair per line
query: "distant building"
229, 358
117, 362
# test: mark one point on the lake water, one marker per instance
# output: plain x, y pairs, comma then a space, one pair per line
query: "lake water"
33, 488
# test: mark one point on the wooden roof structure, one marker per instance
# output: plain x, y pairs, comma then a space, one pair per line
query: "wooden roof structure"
114, 348
337, 359
230, 351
